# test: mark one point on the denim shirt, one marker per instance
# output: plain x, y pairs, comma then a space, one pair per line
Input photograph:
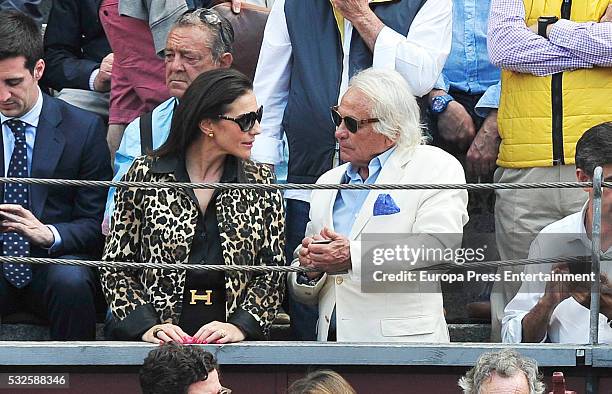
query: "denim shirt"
468, 68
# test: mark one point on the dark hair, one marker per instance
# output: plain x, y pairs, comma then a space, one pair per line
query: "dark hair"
209, 95
20, 37
321, 382
594, 148
172, 368
221, 32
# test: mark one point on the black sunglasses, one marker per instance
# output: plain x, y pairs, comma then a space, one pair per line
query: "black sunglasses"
351, 124
212, 18
245, 121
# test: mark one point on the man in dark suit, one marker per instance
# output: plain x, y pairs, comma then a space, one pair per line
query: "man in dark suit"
78, 58
43, 137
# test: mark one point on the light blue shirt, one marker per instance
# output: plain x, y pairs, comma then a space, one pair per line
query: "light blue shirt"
468, 68
130, 147
349, 202
31, 119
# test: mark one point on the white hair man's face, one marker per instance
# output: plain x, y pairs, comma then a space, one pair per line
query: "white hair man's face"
362, 146
497, 384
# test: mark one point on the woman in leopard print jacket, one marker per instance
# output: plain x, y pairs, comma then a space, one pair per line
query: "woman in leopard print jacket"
210, 140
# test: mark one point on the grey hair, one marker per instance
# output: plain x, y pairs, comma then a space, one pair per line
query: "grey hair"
221, 35
505, 363
394, 106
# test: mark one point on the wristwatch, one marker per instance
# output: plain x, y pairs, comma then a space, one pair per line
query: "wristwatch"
544, 22
439, 103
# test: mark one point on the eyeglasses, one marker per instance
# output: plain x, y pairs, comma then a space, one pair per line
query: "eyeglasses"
212, 18
351, 124
245, 121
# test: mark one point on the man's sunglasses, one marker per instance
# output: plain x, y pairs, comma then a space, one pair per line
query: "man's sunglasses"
351, 124
212, 18
245, 121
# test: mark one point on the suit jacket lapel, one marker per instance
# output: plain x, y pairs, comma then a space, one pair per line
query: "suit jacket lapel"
391, 172
48, 148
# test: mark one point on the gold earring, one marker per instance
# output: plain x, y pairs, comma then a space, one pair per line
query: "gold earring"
211, 134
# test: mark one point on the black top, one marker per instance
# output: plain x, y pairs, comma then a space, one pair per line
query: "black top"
204, 294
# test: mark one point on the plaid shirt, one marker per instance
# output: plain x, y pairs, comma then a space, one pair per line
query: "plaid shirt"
570, 45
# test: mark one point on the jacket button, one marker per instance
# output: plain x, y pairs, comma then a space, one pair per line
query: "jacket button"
339, 280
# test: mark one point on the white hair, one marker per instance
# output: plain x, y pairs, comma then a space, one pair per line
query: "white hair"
394, 106
506, 363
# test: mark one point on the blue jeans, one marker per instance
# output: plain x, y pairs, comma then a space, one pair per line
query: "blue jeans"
63, 294
303, 317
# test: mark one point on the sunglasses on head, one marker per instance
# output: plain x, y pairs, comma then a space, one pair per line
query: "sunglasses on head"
245, 121
351, 124
212, 18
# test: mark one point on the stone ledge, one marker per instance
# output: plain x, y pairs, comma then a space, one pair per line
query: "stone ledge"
280, 332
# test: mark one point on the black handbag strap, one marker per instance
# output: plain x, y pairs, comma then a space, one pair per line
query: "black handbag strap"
146, 133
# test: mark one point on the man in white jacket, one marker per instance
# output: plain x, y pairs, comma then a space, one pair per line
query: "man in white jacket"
380, 140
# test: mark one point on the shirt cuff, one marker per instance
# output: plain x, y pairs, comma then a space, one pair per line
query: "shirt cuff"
442, 84
57, 239
135, 324
247, 323
268, 150
488, 101
385, 48
512, 329
92, 79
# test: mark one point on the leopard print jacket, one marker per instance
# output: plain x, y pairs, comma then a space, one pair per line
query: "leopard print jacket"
158, 226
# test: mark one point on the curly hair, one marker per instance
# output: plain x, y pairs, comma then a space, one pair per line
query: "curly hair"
172, 368
506, 363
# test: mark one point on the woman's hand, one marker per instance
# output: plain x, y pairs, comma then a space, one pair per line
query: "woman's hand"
217, 332
161, 333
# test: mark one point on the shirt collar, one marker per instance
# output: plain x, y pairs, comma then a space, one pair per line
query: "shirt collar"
31, 117
375, 165
580, 229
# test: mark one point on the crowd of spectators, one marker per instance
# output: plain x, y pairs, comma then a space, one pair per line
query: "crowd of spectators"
362, 92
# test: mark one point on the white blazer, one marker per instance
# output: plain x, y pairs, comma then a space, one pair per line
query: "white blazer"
410, 316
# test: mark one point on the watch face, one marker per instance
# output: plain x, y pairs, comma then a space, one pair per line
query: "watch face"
438, 105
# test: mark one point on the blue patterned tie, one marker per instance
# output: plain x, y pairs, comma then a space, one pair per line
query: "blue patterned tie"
14, 244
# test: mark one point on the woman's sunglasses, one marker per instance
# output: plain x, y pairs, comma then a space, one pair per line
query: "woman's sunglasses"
245, 121
351, 124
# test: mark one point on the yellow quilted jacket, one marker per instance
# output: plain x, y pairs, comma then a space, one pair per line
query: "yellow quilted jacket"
530, 137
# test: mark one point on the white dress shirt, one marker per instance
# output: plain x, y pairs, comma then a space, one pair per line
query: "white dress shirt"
569, 322
419, 57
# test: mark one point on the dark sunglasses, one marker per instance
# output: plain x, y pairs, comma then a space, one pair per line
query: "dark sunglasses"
212, 18
351, 124
245, 121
